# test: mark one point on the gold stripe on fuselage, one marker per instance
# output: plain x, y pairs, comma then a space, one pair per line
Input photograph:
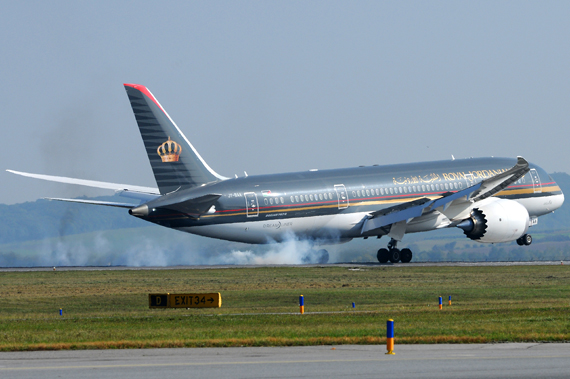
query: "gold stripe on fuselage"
506, 192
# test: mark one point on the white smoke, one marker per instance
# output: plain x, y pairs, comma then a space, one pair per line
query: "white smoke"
292, 251
174, 250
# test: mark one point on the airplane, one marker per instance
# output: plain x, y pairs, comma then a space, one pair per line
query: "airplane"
492, 200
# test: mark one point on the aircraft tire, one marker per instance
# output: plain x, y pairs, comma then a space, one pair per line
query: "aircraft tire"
520, 241
383, 255
406, 255
527, 239
323, 256
394, 255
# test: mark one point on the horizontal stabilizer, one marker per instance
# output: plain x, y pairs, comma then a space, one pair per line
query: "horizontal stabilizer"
194, 207
90, 183
94, 202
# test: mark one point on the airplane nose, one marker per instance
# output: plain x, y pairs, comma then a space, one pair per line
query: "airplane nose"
140, 211
557, 201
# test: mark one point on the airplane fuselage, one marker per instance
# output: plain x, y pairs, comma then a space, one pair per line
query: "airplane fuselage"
331, 205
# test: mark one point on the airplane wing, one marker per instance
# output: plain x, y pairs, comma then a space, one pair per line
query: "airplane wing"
414, 209
94, 202
497, 183
127, 190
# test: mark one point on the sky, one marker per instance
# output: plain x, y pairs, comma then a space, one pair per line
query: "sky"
268, 87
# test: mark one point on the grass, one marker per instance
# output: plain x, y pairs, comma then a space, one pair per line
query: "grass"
109, 309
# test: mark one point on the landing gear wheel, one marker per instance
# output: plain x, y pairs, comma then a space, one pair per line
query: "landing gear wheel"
527, 239
406, 255
394, 255
520, 241
383, 255
322, 256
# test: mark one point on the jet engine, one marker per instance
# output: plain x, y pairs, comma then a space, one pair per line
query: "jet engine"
497, 220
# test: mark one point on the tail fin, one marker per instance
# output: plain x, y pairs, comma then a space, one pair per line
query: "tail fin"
174, 160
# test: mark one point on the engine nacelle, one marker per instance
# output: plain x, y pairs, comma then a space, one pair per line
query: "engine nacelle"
497, 220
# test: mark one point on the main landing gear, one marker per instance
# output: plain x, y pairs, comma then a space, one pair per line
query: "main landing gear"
524, 240
393, 254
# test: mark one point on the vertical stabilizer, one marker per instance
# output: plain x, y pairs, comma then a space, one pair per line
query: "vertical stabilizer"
174, 161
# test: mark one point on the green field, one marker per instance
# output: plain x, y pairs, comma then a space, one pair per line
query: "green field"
109, 309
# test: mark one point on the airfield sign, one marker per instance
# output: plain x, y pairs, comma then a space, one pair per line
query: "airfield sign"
185, 300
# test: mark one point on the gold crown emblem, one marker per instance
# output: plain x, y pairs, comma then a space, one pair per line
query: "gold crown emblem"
169, 151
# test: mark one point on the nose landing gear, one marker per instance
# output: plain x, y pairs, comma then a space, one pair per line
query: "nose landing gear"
393, 254
525, 240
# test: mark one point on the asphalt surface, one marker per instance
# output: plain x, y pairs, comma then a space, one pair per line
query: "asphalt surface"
524, 360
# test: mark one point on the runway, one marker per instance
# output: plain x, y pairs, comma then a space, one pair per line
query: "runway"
343, 264
521, 360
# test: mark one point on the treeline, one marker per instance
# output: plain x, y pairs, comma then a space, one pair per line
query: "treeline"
46, 219
497, 253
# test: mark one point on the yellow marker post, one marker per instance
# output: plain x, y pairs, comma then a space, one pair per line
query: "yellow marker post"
450, 300
390, 337
440, 303
302, 304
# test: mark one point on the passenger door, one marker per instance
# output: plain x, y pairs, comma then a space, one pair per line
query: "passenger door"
536, 185
342, 196
251, 204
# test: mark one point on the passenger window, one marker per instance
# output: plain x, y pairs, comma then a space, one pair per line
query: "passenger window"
297, 198
292, 199
320, 196
358, 193
353, 194
368, 193
330, 195
265, 201
271, 201
377, 192
382, 191
405, 190
432, 187
455, 185
400, 189
446, 186
282, 200
391, 190
460, 185
423, 187
302, 198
